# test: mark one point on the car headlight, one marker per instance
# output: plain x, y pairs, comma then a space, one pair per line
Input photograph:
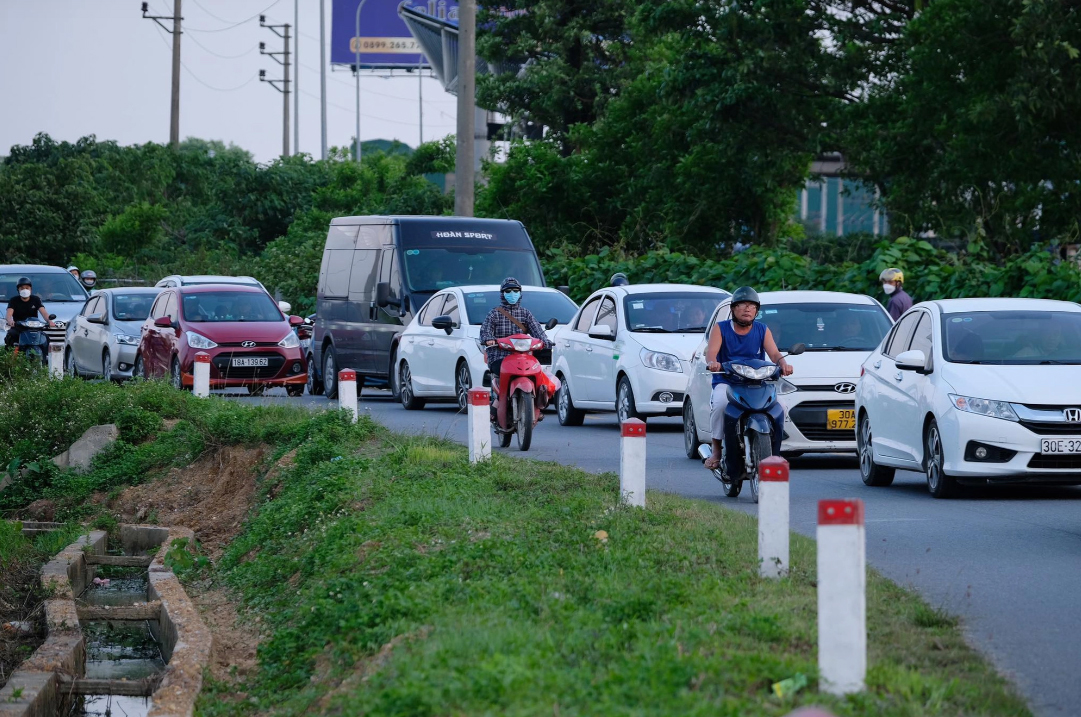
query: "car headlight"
984, 407
290, 341
660, 361
198, 341
134, 340
786, 387
756, 374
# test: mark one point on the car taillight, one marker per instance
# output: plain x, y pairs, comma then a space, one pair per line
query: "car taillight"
861, 370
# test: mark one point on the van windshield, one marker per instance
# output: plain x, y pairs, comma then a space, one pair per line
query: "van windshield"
432, 269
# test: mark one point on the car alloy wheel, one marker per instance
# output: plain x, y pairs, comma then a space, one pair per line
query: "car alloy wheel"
174, 375
69, 359
107, 367
330, 374
567, 414
938, 483
625, 409
871, 473
462, 383
690, 432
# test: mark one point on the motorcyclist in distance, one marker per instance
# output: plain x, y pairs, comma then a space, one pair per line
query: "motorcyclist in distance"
89, 280
507, 319
24, 306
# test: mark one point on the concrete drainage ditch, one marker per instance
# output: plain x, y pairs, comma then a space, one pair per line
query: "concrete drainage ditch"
123, 636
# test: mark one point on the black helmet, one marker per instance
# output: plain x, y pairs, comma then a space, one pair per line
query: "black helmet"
746, 293
24, 281
619, 279
508, 284
89, 278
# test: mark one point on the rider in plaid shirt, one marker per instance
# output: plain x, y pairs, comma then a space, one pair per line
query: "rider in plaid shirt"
497, 326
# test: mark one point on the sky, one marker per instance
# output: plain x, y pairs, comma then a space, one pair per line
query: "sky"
72, 68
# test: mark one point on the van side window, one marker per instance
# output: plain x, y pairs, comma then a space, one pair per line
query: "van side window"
586, 317
334, 273
388, 272
362, 278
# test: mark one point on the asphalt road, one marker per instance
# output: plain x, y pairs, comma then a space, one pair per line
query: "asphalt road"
1004, 559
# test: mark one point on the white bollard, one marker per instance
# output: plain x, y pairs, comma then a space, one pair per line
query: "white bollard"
773, 517
200, 385
480, 425
842, 600
56, 360
632, 463
347, 392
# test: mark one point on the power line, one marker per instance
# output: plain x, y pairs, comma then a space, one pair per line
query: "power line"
199, 80
352, 111
224, 57
367, 91
235, 24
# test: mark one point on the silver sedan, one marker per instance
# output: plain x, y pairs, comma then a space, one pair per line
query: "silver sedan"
102, 339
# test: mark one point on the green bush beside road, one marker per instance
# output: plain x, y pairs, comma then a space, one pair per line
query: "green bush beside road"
388, 576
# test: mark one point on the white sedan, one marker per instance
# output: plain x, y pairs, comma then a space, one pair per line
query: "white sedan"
974, 391
628, 350
440, 357
840, 332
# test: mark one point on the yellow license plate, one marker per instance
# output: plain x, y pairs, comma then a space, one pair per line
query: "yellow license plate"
841, 419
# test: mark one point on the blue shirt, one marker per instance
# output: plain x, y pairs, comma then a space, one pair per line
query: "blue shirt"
734, 346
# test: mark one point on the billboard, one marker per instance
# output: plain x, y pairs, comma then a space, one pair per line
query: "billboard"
384, 40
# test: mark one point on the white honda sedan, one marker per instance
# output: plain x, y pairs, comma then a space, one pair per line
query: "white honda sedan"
440, 357
840, 332
628, 350
974, 391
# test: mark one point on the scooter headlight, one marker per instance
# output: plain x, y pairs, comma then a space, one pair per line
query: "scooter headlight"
755, 374
522, 345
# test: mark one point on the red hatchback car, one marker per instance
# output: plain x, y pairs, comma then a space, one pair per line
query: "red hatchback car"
250, 342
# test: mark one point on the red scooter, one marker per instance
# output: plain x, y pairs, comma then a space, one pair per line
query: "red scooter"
523, 392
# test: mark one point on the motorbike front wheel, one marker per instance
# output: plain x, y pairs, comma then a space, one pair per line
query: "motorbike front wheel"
505, 437
524, 415
761, 448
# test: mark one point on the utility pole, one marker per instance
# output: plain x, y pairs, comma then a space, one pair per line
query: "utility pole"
420, 97
296, 77
323, 75
467, 67
284, 88
174, 102
356, 69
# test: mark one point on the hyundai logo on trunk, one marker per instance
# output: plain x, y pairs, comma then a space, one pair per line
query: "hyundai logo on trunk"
247, 344
845, 388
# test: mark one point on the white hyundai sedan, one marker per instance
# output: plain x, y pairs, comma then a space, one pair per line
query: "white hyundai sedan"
440, 357
628, 350
840, 331
974, 391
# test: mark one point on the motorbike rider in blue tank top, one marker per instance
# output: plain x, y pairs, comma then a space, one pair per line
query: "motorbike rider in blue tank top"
739, 338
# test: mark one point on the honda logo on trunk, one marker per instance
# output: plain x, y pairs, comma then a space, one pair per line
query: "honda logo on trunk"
247, 344
845, 388
1073, 415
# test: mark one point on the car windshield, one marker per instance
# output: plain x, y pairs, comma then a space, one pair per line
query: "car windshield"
826, 327
132, 307
55, 286
432, 269
543, 305
1016, 338
212, 306
668, 313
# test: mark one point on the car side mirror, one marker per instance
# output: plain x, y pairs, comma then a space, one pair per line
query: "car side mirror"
564, 290
285, 307
797, 349
602, 332
552, 323
443, 322
913, 360
163, 322
296, 320
383, 299
96, 318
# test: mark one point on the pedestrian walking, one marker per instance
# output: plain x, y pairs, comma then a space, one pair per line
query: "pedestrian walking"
893, 284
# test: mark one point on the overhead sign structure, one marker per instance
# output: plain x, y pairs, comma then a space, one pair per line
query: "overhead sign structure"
384, 40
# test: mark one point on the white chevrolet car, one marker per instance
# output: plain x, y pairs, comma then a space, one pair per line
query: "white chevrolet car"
974, 391
628, 350
440, 357
840, 332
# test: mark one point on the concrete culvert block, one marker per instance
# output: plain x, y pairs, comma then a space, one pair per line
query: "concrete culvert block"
81, 453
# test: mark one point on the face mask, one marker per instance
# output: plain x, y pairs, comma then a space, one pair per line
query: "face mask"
25, 293
512, 296
889, 288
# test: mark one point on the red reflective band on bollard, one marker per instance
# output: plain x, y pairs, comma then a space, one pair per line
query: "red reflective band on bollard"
773, 468
480, 396
634, 427
840, 512
202, 357
347, 374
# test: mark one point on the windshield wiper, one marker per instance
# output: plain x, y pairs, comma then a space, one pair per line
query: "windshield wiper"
690, 328
1057, 362
651, 330
834, 348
